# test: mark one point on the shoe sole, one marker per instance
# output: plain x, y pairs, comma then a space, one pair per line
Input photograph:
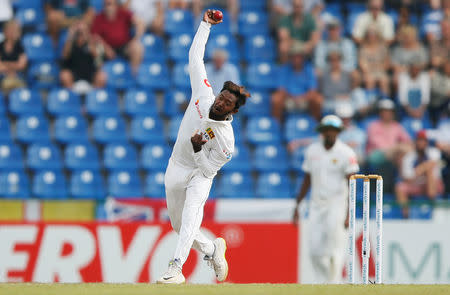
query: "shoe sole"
226, 262
169, 283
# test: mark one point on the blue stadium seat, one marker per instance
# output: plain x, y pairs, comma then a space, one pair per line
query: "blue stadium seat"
365, 123
97, 5
43, 75
71, 128
355, 7
49, 184
38, 47
421, 211
259, 48
237, 129
14, 184
32, 128
180, 76
240, 162
2, 104
122, 184
147, 129
174, 125
270, 158
5, 131
300, 127
120, 156
178, 21
155, 157
253, 5
154, 184
274, 185
62, 101
109, 129
81, 155
296, 160
10, 157
20, 4
179, 47
119, 74
389, 211
351, 20
263, 130
86, 184
226, 27
262, 76
175, 101
42, 156
226, 42
253, 23
24, 101
413, 125
140, 102
235, 184
102, 102
30, 17
154, 49
258, 104
154, 76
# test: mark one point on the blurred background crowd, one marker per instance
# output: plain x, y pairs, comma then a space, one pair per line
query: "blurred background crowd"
93, 92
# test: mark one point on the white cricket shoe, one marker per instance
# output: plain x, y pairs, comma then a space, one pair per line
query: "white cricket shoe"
218, 260
173, 275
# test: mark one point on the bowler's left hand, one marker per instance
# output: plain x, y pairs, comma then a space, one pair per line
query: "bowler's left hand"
197, 141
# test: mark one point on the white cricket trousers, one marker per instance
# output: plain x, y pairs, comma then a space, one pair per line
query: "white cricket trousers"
186, 193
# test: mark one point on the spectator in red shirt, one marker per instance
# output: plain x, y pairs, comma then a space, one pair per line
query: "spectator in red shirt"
112, 28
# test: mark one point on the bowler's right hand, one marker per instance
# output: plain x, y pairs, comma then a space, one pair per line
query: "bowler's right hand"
208, 17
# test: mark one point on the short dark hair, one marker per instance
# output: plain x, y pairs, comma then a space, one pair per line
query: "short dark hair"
238, 91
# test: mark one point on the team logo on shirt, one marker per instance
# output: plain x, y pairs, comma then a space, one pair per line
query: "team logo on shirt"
227, 154
210, 133
198, 109
207, 82
334, 161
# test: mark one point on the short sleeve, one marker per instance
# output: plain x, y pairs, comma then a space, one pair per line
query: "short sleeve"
359, 27
19, 48
407, 167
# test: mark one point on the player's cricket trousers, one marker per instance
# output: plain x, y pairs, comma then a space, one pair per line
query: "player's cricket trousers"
187, 190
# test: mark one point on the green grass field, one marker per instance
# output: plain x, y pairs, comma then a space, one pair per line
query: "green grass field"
228, 289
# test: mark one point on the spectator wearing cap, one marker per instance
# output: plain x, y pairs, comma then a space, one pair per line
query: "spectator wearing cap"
440, 49
63, 14
298, 26
13, 59
219, 70
297, 86
440, 91
409, 50
375, 62
431, 23
414, 89
377, 18
335, 84
387, 142
352, 135
111, 30
335, 42
151, 12
420, 173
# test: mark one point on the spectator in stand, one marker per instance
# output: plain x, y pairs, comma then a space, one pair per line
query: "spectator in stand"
443, 144
80, 66
62, 14
374, 62
414, 89
440, 49
219, 71
281, 8
6, 13
151, 12
335, 84
440, 91
13, 59
111, 29
376, 18
431, 23
335, 42
297, 86
194, 5
352, 135
387, 142
362, 101
420, 173
409, 50
298, 26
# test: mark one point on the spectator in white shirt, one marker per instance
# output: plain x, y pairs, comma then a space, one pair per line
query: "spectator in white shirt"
414, 90
149, 11
219, 70
374, 17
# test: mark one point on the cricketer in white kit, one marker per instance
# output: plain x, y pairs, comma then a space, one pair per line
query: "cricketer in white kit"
328, 164
204, 144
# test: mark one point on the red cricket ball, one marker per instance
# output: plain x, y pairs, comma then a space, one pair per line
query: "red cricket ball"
217, 15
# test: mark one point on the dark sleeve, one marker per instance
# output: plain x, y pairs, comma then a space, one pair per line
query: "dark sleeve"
19, 48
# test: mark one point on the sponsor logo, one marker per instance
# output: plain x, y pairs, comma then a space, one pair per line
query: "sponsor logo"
210, 133
198, 109
207, 82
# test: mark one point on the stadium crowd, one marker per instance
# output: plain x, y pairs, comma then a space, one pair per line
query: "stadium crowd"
93, 92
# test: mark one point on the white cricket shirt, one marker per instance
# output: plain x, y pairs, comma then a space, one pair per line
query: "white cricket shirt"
219, 134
